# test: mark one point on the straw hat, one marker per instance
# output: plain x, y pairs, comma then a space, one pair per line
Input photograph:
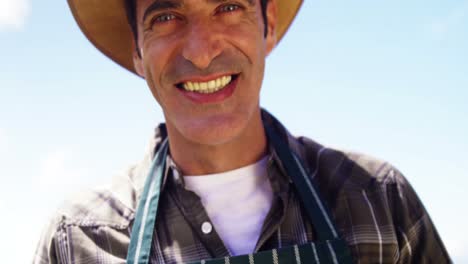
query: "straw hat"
104, 23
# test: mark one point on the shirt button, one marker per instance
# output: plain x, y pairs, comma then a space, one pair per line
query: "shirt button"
206, 228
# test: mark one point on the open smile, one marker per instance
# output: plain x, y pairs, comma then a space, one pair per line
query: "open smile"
214, 90
209, 86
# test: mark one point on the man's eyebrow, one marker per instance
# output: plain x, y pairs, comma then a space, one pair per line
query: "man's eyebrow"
162, 5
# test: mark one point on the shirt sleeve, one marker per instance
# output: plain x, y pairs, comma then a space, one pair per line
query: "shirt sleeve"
417, 236
45, 250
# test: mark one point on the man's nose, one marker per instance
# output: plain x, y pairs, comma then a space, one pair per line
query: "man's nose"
202, 45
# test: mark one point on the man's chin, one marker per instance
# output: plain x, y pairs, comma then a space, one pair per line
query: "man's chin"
212, 130
213, 135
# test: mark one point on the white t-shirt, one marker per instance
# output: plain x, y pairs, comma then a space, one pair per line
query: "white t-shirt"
237, 203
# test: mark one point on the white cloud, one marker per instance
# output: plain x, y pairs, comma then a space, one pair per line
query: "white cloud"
58, 170
56, 175
13, 13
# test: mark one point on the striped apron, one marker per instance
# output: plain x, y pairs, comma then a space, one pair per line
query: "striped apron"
328, 248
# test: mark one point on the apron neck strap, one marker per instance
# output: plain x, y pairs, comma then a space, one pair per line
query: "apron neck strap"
145, 218
316, 208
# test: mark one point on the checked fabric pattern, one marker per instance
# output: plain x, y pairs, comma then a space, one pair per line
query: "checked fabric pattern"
374, 207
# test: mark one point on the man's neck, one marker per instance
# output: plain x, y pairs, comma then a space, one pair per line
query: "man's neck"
199, 159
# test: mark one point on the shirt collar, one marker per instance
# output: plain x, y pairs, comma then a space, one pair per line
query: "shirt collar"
276, 173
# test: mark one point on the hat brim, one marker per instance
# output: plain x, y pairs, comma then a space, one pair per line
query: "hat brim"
104, 23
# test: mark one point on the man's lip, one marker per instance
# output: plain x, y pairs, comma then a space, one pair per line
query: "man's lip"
204, 78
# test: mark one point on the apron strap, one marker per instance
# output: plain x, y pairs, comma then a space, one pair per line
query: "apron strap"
316, 208
142, 231
143, 227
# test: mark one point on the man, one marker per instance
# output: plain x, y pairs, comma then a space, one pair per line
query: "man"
224, 182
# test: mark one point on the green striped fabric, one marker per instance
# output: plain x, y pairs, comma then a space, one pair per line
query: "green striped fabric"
311, 253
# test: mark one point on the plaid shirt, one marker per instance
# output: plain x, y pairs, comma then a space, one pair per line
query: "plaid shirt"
373, 206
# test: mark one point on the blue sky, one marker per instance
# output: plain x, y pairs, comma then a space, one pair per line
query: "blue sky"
387, 78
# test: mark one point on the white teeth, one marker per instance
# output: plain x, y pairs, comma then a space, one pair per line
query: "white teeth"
208, 87
190, 86
203, 86
212, 84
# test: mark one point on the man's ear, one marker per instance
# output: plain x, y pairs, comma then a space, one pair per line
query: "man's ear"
138, 63
271, 14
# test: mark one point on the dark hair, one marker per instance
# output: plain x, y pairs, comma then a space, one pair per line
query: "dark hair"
130, 8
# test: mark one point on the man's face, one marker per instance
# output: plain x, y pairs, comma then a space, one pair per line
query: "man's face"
204, 63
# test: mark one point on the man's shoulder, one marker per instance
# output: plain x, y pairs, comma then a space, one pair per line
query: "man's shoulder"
334, 166
96, 222
111, 205
353, 168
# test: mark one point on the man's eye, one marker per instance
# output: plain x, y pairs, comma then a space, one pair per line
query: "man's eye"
229, 8
163, 18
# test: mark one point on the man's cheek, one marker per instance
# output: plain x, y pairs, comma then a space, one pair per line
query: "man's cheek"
152, 85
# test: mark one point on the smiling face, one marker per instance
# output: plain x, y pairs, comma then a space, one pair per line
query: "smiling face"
204, 63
